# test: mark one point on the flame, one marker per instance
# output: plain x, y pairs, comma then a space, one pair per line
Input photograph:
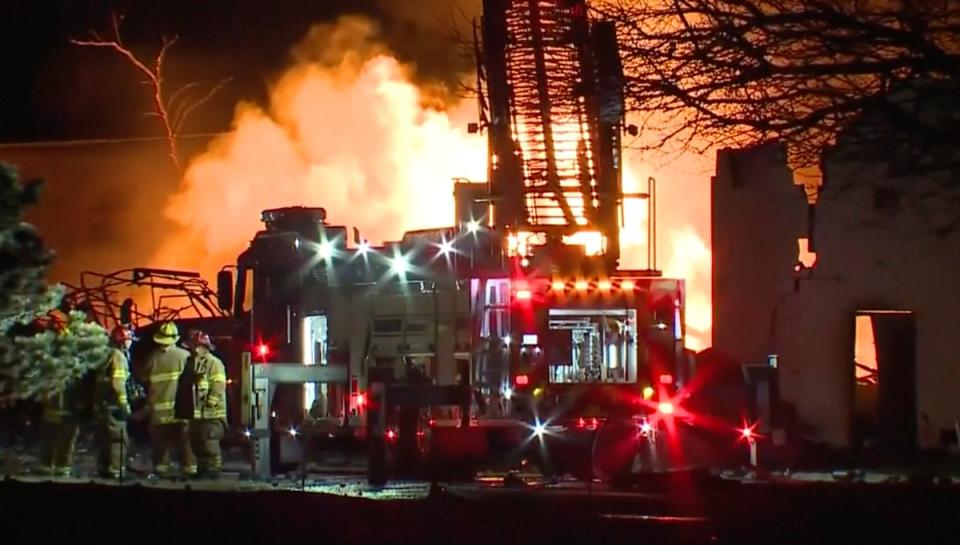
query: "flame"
804, 256
353, 136
865, 351
592, 241
683, 227
690, 260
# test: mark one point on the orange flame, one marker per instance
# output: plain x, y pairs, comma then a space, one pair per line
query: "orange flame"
683, 227
353, 136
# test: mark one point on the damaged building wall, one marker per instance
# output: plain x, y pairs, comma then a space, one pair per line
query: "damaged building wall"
756, 217
878, 249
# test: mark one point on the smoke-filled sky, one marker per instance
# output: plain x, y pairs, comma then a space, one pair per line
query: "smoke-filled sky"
351, 105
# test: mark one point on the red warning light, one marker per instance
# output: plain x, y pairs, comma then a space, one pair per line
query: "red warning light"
748, 433
361, 399
522, 380
391, 435
665, 407
263, 350
666, 378
524, 295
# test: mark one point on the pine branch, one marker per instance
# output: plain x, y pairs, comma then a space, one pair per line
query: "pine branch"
41, 348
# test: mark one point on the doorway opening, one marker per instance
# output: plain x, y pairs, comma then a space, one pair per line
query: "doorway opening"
884, 396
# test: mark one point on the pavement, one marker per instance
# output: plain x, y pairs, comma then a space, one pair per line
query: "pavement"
336, 474
518, 508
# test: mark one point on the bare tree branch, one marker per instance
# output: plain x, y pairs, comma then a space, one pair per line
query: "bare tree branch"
181, 117
877, 76
154, 78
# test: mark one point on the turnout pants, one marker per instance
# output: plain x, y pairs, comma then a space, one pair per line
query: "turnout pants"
59, 441
205, 436
111, 445
167, 437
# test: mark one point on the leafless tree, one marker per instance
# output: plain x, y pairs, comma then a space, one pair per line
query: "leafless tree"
172, 109
734, 73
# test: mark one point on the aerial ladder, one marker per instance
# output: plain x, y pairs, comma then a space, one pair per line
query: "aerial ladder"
550, 88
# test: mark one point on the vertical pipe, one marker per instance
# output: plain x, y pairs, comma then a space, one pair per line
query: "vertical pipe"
434, 371
650, 265
288, 326
653, 216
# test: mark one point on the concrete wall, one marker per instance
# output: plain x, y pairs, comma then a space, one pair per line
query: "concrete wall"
757, 217
869, 257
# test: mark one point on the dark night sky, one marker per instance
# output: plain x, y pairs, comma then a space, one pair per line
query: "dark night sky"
53, 90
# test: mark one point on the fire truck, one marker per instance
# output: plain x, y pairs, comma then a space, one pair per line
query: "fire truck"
513, 331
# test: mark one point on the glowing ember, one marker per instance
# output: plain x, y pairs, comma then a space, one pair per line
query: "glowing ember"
804, 255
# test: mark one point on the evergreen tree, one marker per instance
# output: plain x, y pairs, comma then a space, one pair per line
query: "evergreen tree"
42, 348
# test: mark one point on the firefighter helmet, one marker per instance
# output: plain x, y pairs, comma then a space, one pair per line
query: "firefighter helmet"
199, 338
121, 335
167, 334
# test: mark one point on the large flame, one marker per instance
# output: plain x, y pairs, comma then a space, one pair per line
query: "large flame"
682, 231
355, 136
348, 130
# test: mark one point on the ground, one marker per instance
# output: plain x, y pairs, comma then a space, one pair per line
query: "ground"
341, 508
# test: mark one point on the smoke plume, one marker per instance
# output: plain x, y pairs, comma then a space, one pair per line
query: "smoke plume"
345, 129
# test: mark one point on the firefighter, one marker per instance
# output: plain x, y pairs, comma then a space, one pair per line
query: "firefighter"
168, 431
113, 406
209, 387
63, 412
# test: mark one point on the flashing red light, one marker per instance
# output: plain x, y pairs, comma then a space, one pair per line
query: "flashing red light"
665, 407
523, 295
522, 380
747, 433
581, 423
361, 399
432, 422
666, 378
263, 350
391, 435
593, 423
